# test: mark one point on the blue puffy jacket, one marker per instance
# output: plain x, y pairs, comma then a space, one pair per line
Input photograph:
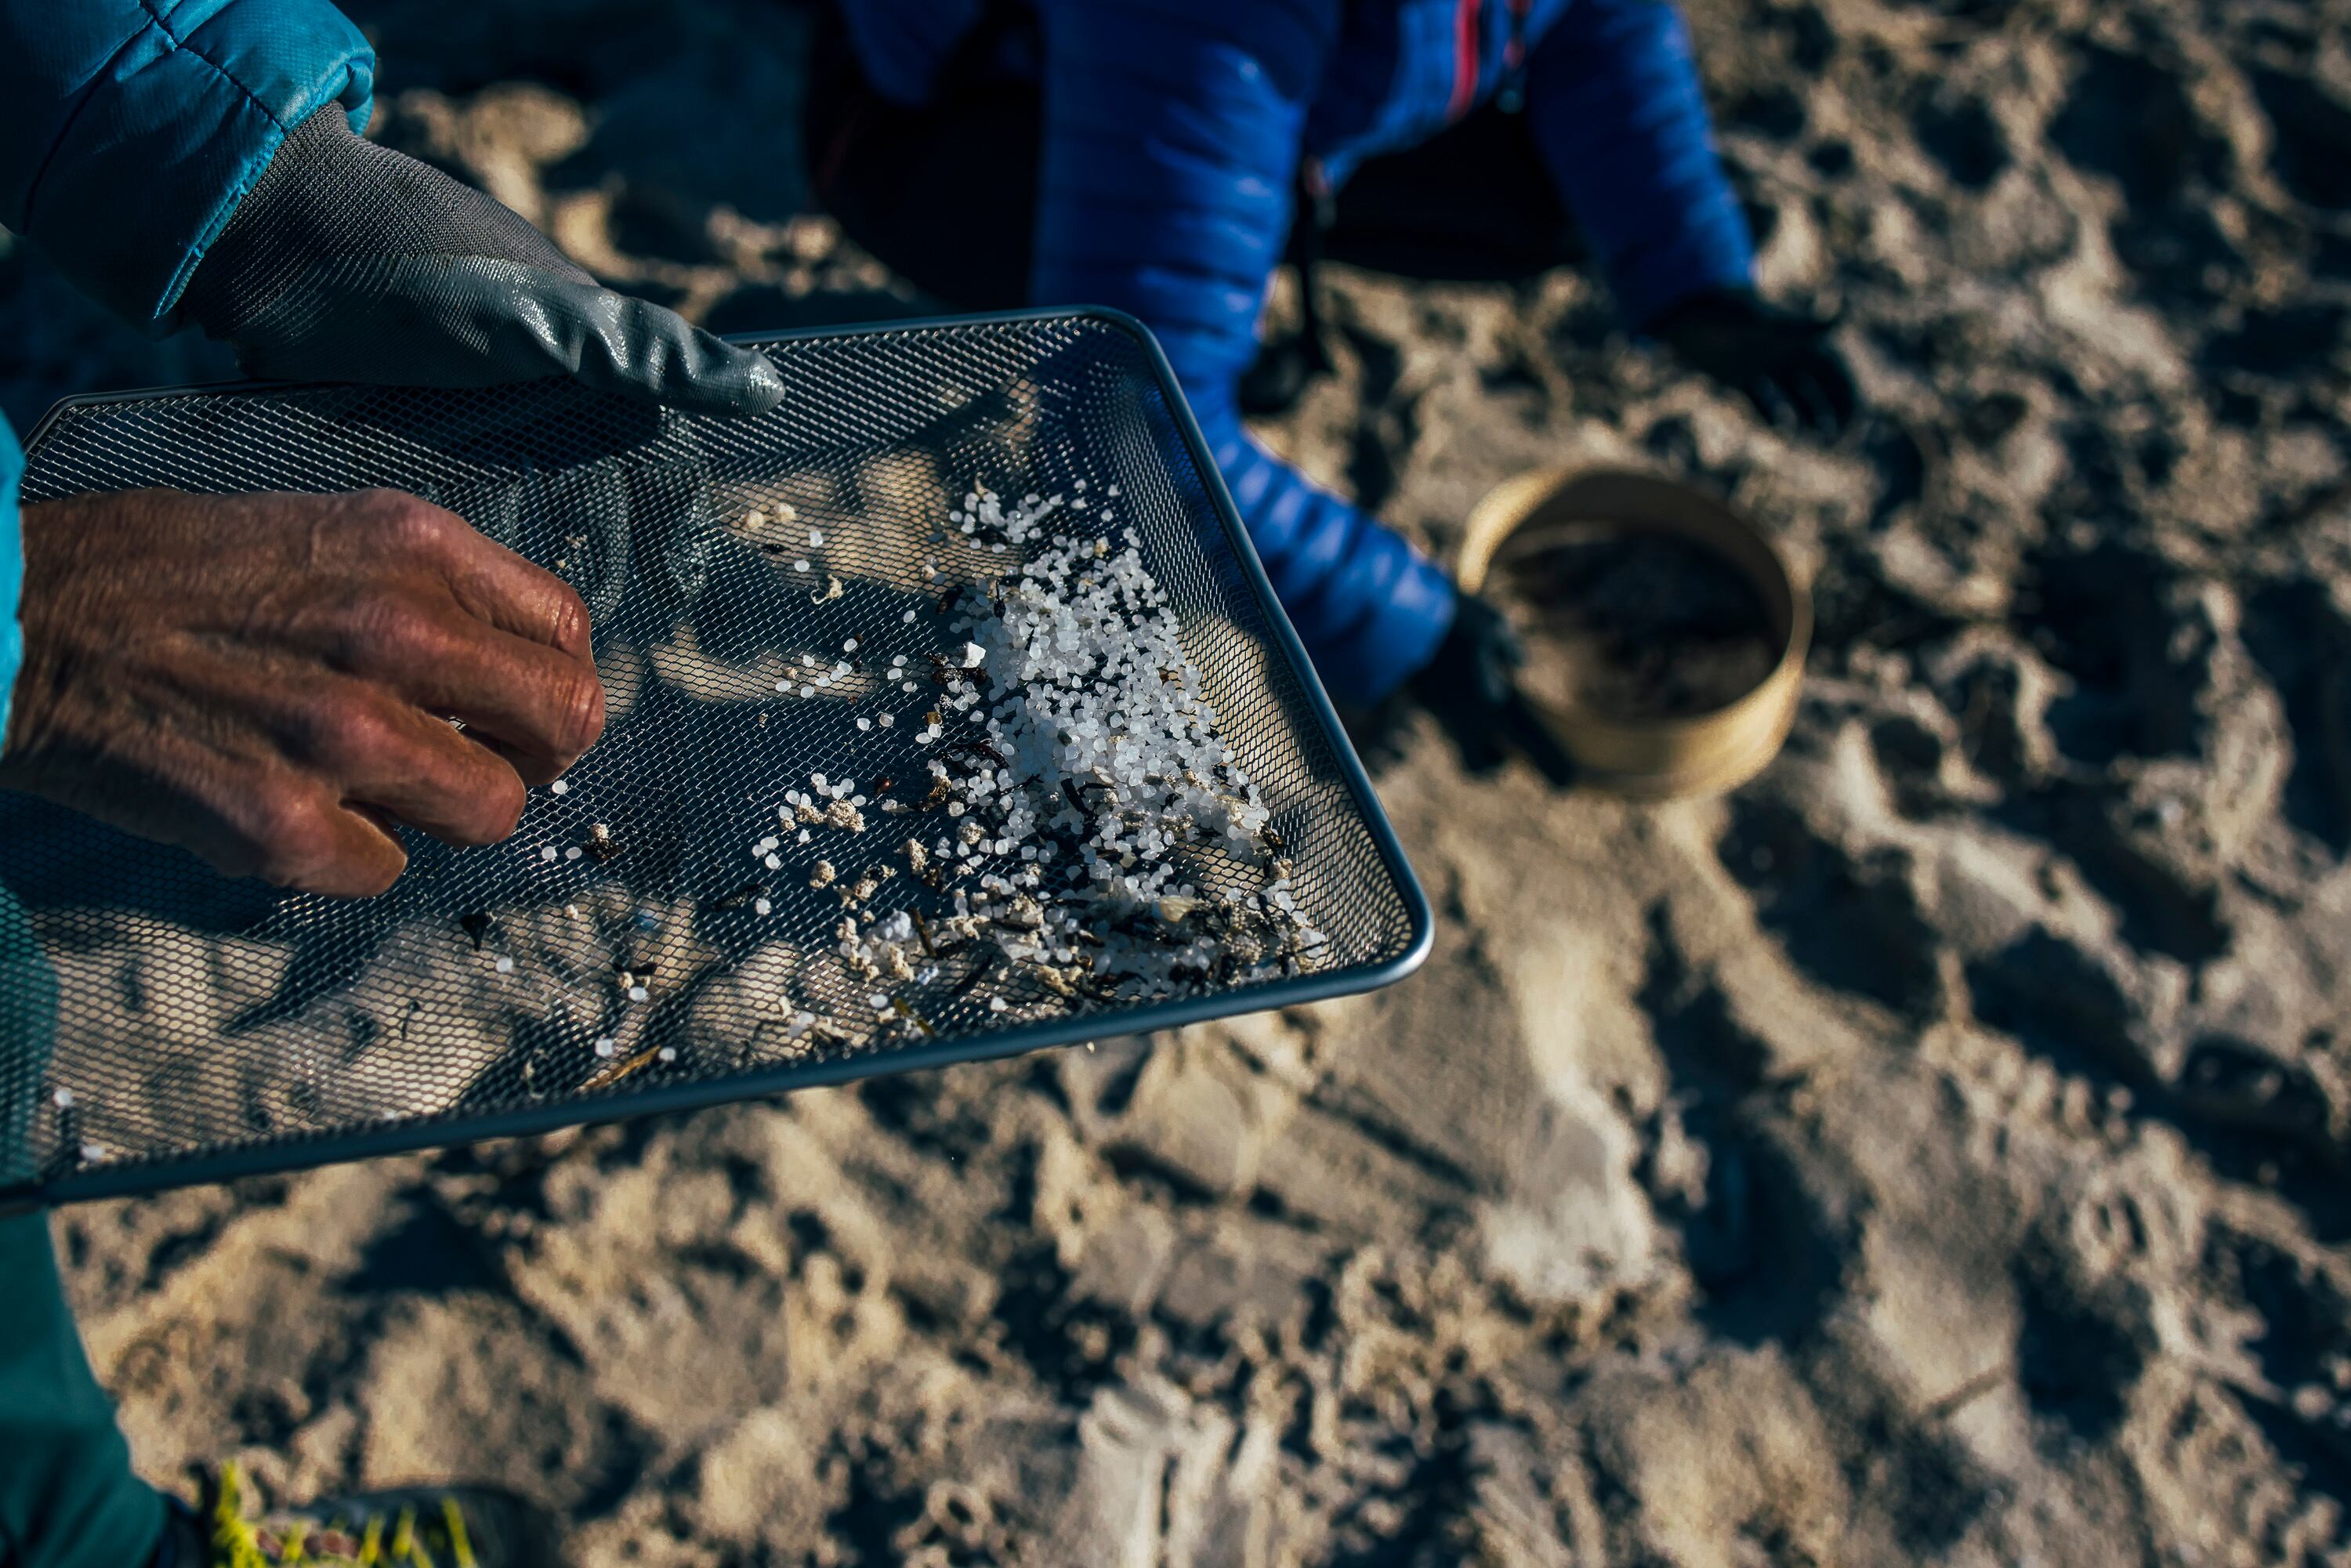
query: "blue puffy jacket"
128, 130
1173, 130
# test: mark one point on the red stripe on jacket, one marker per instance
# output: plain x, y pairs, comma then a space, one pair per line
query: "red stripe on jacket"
1465, 59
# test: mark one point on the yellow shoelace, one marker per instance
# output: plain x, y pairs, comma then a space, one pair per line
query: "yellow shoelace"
239, 1543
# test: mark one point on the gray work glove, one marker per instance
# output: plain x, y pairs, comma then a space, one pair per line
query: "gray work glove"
350, 262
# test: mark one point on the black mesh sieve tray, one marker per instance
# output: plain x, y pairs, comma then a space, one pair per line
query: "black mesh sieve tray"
640, 943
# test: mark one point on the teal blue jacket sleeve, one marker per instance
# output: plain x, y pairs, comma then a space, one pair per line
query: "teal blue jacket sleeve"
130, 128
12, 569
29, 987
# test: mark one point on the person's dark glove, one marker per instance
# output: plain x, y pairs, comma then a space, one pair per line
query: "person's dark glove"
350, 262
1472, 688
1779, 360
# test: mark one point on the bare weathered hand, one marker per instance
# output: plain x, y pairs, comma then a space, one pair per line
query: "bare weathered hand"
267, 680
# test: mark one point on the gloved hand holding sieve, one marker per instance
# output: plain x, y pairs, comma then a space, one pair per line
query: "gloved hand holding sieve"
350, 262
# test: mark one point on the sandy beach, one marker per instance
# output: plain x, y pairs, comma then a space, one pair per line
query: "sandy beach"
1938, 1152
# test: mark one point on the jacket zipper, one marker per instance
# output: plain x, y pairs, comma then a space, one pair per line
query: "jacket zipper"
1511, 95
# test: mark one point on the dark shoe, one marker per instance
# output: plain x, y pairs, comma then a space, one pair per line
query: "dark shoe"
413, 1527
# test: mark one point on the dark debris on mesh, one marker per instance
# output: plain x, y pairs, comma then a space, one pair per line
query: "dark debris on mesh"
196, 1015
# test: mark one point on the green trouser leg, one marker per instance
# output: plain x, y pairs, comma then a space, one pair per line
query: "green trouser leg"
67, 1496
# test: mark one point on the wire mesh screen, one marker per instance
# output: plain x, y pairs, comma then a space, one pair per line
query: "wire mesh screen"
803, 850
